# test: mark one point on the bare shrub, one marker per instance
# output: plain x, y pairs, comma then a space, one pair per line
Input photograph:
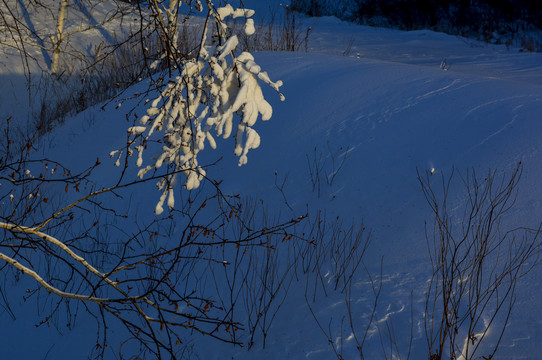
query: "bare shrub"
324, 167
477, 263
477, 258
332, 262
279, 32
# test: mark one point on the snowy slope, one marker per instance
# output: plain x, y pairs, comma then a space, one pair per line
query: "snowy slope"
390, 112
394, 119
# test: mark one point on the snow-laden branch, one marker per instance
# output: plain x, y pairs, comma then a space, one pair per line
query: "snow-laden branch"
214, 95
73, 255
60, 244
48, 286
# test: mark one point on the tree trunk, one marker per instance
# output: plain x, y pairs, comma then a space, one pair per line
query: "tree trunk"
59, 29
172, 18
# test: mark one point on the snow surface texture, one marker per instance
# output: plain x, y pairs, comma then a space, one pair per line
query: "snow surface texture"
390, 110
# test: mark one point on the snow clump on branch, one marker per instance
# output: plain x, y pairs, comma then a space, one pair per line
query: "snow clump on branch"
200, 103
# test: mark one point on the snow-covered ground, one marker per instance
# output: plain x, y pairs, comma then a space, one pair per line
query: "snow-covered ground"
390, 103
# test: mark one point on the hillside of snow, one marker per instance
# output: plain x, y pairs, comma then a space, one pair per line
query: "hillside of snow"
371, 108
